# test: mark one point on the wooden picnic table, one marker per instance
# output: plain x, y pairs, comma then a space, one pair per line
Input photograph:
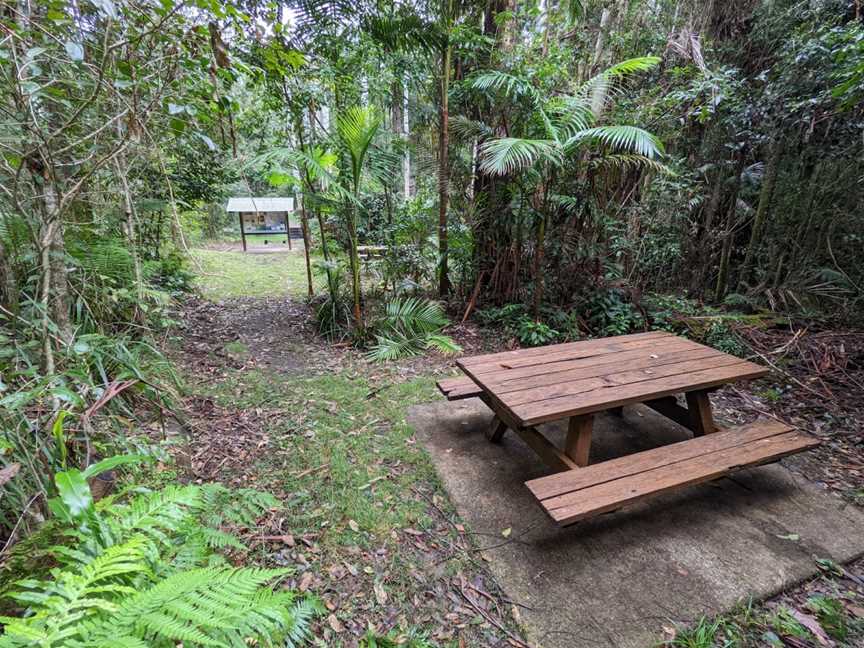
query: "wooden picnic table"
577, 380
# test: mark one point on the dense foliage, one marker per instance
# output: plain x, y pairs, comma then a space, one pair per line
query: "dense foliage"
554, 169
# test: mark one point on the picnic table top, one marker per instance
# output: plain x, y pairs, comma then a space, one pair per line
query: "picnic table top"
553, 382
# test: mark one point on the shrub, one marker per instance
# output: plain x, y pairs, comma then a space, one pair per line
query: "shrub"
609, 313
531, 333
410, 326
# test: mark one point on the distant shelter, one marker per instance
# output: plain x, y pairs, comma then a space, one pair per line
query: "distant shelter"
267, 217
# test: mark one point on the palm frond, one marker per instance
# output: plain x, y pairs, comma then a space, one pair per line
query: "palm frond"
624, 138
443, 343
509, 154
403, 32
514, 87
639, 64
408, 327
467, 128
607, 84
571, 115
357, 127
629, 162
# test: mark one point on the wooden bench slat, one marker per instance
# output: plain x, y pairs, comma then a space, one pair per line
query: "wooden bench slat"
545, 488
612, 494
459, 388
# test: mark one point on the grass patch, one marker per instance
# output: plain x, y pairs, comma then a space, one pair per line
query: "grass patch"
237, 274
767, 624
363, 503
345, 454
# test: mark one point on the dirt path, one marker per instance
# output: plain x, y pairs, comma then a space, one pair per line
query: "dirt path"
366, 524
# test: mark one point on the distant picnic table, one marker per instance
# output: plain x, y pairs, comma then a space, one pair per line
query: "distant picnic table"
577, 380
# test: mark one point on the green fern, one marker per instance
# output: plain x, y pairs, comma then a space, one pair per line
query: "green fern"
147, 572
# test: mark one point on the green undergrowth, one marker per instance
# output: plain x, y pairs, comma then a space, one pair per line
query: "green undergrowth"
227, 275
357, 485
345, 456
829, 615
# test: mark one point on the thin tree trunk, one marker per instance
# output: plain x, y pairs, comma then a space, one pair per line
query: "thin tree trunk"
46, 236
130, 229
355, 266
729, 237
8, 283
762, 209
443, 173
406, 160
55, 248
538, 267
702, 248
304, 226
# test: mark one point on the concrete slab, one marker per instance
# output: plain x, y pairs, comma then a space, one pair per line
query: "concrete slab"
617, 579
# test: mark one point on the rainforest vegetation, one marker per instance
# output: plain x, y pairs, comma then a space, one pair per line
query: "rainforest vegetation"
547, 171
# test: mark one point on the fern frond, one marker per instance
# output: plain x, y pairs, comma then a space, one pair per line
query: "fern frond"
155, 512
196, 606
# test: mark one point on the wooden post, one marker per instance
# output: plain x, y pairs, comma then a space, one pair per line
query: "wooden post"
578, 444
287, 230
699, 409
242, 230
496, 430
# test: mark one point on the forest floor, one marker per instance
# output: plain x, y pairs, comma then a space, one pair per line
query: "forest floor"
367, 525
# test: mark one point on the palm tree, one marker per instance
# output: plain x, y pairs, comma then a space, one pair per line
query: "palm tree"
356, 128
557, 134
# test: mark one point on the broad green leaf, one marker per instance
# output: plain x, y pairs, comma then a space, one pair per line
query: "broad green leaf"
111, 463
74, 492
59, 436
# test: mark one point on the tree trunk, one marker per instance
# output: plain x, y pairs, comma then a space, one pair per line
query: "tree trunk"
765, 195
8, 284
538, 267
443, 173
702, 247
729, 237
129, 226
406, 159
304, 226
354, 257
54, 251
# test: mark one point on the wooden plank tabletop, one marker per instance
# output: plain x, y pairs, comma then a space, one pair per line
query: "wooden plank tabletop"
548, 383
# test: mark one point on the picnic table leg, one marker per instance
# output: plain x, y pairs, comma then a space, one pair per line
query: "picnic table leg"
699, 410
578, 443
496, 430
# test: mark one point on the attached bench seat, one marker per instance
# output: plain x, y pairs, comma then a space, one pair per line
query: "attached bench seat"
574, 495
459, 388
